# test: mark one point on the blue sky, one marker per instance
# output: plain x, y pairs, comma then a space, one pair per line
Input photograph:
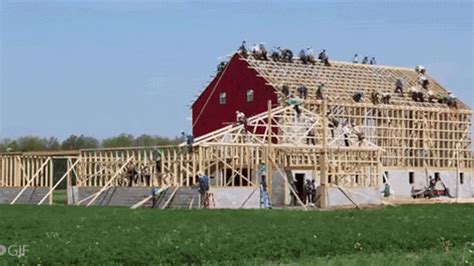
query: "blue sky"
102, 68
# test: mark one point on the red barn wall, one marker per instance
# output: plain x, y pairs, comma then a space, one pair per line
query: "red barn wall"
235, 81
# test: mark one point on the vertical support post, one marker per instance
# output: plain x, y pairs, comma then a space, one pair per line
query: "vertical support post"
201, 166
17, 178
269, 150
323, 158
68, 181
379, 170
457, 173
51, 172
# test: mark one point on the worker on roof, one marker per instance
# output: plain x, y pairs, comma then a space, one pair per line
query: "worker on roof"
365, 60
355, 59
320, 92
263, 51
451, 99
358, 96
372, 61
441, 97
285, 90
302, 55
221, 66
275, 53
242, 50
432, 97
255, 48
375, 97
303, 92
420, 69
259, 51
324, 57
310, 55
423, 80
306, 55
286, 55
386, 98
296, 105
416, 94
399, 86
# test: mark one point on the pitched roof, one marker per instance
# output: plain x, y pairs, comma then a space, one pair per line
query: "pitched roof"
343, 79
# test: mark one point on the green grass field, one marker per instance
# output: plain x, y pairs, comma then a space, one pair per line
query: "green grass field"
408, 235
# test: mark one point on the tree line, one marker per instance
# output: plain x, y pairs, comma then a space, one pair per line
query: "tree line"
74, 142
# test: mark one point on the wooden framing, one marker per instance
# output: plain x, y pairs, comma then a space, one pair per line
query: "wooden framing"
402, 135
17, 170
410, 133
231, 156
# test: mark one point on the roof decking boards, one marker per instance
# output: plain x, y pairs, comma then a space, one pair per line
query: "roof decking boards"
343, 79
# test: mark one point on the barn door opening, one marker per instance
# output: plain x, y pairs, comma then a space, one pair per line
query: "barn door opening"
299, 184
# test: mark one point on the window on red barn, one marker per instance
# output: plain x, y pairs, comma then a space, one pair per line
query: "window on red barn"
249, 95
223, 98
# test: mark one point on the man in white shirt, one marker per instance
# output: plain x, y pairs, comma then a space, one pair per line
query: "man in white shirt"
355, 59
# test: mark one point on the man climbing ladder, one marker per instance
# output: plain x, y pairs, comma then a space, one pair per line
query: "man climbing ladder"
265, 202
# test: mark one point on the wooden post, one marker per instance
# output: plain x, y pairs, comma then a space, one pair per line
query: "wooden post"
68, 181
457, 174
323, 158
51, 171
379, 170
269, 151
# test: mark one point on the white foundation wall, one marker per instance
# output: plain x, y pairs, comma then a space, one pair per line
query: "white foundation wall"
235, 197
362, 195
401, 187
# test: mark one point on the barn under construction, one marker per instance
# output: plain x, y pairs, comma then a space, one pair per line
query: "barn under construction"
407, 145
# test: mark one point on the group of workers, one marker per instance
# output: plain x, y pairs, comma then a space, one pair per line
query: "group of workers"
365, 60
137, 174
307, 57
423, 92
420, 93
258, 51
306, 193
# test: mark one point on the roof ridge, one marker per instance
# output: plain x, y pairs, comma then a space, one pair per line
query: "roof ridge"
250, 58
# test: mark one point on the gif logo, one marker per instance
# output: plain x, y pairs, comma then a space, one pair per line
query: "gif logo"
14, 250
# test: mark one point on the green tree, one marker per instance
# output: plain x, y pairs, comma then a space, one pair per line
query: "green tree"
52, 144
31, 143
74, 142
123, 140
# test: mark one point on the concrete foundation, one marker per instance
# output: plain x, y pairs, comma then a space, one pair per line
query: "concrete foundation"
31, 195
115, 196
129, 196
335, 198
234, 197
402, 187
249, 197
